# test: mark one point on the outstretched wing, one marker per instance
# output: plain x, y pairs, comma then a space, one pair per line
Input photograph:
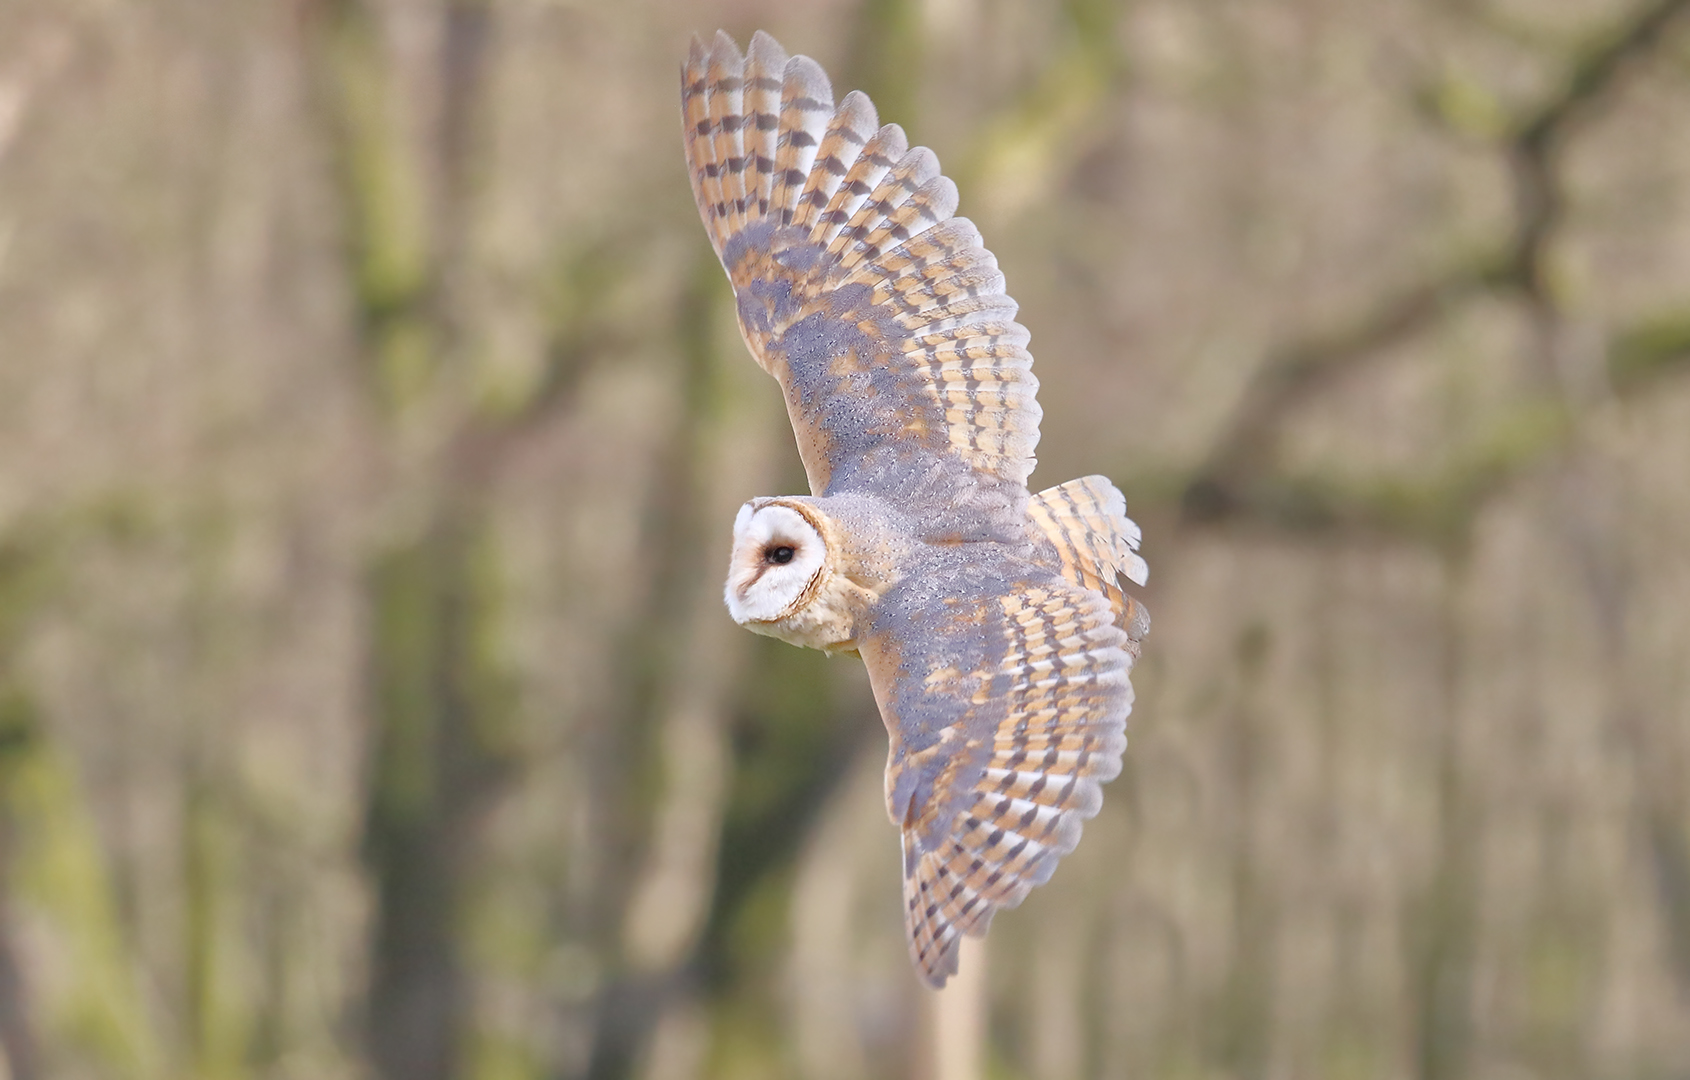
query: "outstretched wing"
883, 316
1005, 690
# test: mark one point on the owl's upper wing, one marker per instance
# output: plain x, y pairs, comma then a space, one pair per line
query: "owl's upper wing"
883, 317
1005, 690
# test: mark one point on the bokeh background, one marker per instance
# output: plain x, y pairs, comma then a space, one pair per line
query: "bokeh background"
372, 419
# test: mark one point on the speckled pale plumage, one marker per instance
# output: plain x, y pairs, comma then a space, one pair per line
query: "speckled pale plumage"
997, 635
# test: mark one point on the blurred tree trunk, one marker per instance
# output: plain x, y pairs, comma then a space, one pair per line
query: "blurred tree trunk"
668, 727
17, 1034
440, 756
1243, 1010
1442, 927
440, 707
20, 738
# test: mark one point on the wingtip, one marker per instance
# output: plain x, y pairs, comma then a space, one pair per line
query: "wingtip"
934, 971
860, 107
725, 50
766, 56
810, 75
764, 42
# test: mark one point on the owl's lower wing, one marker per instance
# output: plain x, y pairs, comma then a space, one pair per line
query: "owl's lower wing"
883, 317
1006, 704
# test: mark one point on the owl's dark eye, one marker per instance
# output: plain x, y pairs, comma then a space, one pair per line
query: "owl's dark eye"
782, 554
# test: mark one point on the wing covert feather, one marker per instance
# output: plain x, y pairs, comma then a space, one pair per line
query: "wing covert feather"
1006, 705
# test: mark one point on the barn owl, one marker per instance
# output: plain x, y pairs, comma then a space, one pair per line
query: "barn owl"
993, 623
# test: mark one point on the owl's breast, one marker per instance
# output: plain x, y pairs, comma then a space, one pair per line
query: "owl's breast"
831, 621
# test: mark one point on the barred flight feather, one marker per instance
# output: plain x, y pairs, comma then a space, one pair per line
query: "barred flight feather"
846, 133
806, 105
765, 77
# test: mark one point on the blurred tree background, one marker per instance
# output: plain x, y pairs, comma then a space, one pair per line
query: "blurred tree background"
372, 420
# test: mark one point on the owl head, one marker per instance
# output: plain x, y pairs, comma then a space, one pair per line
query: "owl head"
781, 561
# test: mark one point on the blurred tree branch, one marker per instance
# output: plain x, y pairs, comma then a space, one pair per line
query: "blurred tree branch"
1438, 507
1237, 481
1225, 485
1535, 144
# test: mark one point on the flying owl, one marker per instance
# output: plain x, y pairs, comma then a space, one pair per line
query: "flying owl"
996, 633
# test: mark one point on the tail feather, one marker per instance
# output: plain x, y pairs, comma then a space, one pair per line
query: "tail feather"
1096, 543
